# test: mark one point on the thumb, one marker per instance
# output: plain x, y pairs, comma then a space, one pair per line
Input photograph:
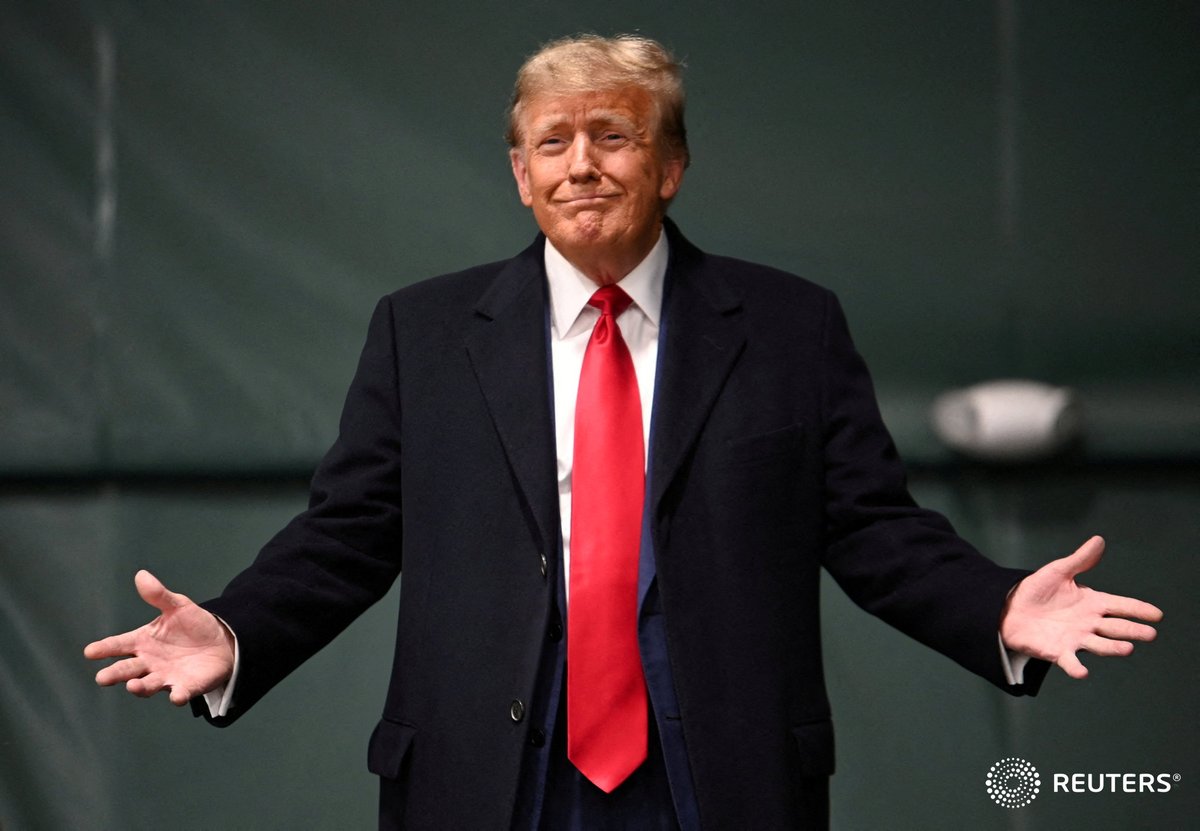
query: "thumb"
1084, 558
155, 593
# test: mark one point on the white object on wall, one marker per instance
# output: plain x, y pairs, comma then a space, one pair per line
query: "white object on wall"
1008, 420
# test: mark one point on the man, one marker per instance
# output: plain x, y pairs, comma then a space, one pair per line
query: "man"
611, 469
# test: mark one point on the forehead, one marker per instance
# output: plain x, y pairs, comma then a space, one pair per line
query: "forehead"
548, 110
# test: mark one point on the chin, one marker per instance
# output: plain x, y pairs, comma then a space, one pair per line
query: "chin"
590, 232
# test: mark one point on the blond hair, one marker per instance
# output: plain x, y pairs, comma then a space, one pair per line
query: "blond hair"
590, 63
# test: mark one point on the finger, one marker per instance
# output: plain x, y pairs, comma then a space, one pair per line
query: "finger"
180, 695
114, 646
156, 594
1126, 630
121, 671
147, 686
1106, 647
1083, 558
1071, 665
1116, 605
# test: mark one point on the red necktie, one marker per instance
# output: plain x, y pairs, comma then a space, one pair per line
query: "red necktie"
606, 691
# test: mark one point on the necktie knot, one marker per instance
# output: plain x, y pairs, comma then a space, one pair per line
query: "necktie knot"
610, 300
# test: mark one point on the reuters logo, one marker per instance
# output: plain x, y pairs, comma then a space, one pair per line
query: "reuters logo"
1013, 783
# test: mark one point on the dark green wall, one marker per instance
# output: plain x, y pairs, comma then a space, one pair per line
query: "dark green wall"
200, 203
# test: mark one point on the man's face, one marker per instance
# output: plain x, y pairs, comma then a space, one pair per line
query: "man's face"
591, 167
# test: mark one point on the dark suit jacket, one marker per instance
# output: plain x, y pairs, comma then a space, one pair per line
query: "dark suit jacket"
769, 461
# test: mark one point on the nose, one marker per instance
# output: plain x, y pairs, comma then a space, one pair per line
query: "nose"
583, 160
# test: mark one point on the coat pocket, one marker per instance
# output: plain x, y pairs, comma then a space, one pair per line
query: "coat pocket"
390, 745
814, 742
774, 444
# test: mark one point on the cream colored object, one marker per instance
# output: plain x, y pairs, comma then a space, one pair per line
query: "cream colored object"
1007, 420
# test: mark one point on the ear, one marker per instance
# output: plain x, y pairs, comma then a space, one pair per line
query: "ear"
521, 173
672, 179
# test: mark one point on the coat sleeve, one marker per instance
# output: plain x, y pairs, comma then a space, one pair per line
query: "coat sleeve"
896, 560
334, 560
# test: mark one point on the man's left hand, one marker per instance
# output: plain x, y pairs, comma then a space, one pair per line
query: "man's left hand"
1050, 616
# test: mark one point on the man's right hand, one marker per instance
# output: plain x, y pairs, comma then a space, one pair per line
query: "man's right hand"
186, 649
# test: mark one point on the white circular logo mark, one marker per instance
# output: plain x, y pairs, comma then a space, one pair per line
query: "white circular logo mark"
1013, 783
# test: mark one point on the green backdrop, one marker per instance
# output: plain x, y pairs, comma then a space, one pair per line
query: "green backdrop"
201, 202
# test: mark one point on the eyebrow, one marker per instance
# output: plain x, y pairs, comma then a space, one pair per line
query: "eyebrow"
594, 117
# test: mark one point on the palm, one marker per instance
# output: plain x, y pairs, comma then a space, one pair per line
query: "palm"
1051, 617
185, 649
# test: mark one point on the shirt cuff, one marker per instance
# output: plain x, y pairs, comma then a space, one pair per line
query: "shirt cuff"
1013, 663
219, 699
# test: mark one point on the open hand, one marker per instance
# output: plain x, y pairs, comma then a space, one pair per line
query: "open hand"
1050, 616
185, 649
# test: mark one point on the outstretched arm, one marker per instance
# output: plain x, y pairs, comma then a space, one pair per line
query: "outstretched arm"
185, 649
1050, 616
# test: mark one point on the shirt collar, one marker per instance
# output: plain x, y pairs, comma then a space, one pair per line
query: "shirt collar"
570, 288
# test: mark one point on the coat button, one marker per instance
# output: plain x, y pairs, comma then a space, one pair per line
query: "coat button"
545, 567
537, 737
516, 710
555, 631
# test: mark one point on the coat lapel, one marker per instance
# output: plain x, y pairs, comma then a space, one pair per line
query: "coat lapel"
507, 349
704, 335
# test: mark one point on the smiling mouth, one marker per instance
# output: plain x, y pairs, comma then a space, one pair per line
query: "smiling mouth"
584, 200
